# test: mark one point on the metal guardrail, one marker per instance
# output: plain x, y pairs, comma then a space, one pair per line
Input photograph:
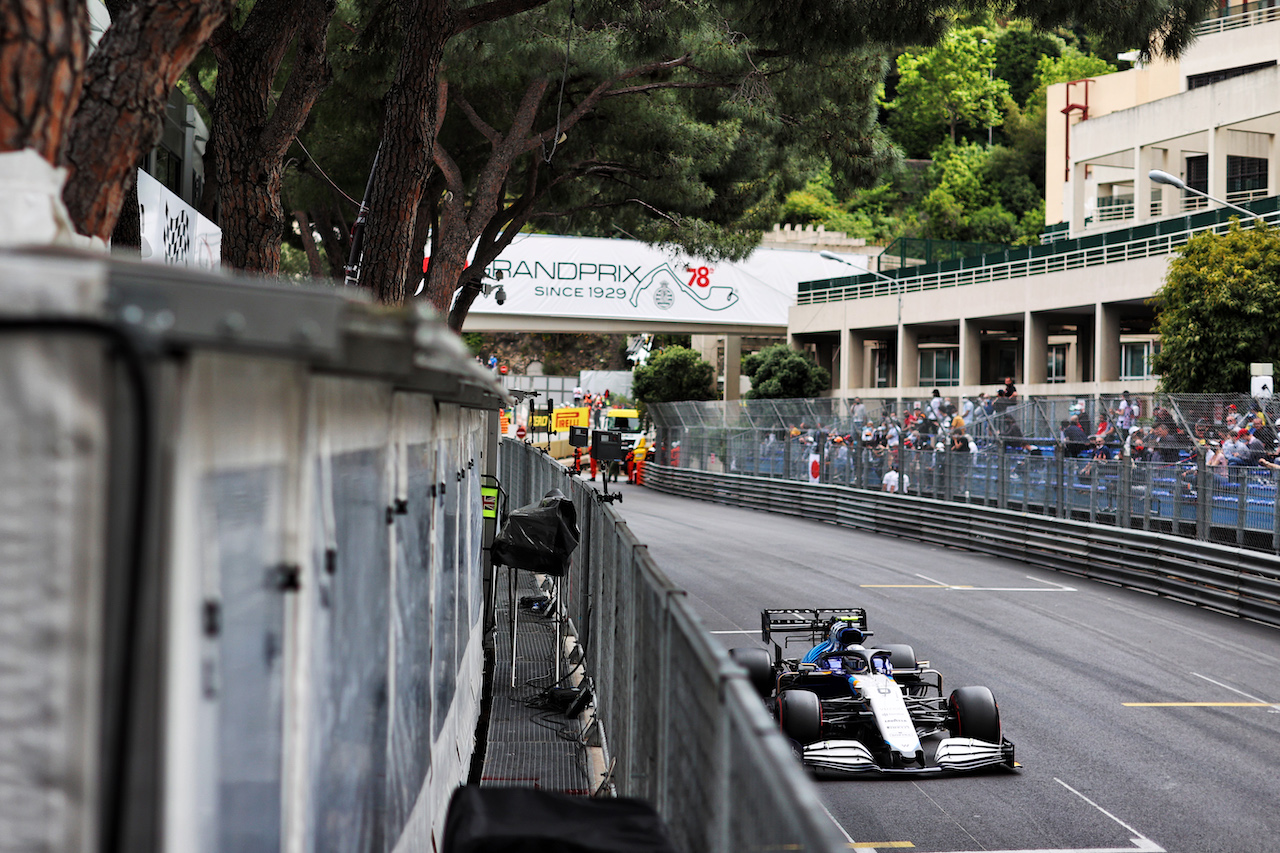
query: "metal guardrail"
1256, 13
1239, 582
683, 727
1036, 264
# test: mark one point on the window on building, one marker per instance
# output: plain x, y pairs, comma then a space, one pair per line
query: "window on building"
940, 366
1246, 176
1135, 359
882, 364
1195, 81
1057, 366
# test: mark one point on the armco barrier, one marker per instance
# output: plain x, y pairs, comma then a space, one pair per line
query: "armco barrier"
1237, 581
684, 729
241, 582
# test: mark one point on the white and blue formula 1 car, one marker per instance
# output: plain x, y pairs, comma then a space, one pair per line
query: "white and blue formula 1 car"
853, 708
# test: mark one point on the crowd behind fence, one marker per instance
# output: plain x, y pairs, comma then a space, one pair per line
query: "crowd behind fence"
1202, 466
682, 727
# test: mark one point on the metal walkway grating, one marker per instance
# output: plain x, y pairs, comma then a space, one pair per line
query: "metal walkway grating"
526, 744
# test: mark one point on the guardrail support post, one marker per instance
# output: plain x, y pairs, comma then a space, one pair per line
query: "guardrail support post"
1204, 493
1124, 502
1002, 476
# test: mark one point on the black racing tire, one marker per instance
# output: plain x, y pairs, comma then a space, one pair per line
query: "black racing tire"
974, 713
902, 656
759, 667
800, 715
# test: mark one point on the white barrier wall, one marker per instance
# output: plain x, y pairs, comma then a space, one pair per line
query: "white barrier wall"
305, 666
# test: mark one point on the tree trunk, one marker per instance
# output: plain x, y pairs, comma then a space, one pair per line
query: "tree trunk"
42, 66
308, 243
120, 117
334, 247
409, 130
254, 123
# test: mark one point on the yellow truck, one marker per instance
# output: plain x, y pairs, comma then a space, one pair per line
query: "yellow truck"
625, 421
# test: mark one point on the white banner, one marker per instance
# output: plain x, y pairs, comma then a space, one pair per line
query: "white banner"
545, 275
174, 232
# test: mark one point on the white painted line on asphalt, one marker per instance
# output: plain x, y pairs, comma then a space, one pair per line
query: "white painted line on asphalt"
1248, 696
1141, 844
744, 631
847, 836
1051, 586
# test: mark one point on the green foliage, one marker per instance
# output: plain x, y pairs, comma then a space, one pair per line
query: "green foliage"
1219, 310
952, 84
1018, 51
981, 195
779, 372
474, 342
673, 375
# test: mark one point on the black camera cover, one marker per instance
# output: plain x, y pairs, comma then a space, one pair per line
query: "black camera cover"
539, 537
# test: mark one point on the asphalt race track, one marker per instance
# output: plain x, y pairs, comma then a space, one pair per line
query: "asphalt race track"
1142, 724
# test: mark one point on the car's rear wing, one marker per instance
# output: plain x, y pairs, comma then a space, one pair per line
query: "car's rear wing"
810, 621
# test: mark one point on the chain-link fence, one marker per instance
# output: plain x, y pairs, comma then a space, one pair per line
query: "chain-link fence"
683, 728
1196, 465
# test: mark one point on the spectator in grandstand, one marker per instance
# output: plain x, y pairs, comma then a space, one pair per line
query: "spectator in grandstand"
892, 482
1138, 450
936, 402
1073, 436
1255, 447
1125, 412
1107, 432
966, 409
1010, 390
1263, 432
1236, 449
1166, 444
859, 414
1200, 432
1001, 404
1012, 435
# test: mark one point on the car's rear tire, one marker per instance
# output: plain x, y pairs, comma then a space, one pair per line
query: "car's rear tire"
759, 667
974, 713
800, 715
901, 655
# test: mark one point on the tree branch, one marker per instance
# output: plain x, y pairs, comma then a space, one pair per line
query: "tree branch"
472, 116
494, 10
593, 98
202, 94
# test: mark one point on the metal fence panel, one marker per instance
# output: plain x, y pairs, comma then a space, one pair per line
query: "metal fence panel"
684, 730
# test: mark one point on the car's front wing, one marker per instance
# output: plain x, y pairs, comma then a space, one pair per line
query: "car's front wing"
956, 754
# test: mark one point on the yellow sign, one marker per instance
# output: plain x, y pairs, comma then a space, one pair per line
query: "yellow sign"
566, 418
538, 421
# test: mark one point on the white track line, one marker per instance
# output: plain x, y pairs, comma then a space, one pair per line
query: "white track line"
1051, 586
1141, 844
1248, 696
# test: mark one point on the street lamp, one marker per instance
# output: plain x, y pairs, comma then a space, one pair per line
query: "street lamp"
1174, 181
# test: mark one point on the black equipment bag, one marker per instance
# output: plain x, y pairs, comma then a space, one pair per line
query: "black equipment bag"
539, 537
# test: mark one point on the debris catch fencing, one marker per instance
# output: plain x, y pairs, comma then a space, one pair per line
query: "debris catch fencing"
683, 727
1200, 466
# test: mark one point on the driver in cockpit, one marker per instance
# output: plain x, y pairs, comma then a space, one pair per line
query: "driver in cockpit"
841, 637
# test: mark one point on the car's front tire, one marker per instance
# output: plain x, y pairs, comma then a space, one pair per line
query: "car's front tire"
974, 713
800, 715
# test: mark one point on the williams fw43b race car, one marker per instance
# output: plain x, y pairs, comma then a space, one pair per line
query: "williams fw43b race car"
854, 708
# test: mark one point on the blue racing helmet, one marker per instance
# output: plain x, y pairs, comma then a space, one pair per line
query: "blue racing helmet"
846, 634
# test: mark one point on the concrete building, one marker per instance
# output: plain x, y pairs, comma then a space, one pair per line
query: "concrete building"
1072, 317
